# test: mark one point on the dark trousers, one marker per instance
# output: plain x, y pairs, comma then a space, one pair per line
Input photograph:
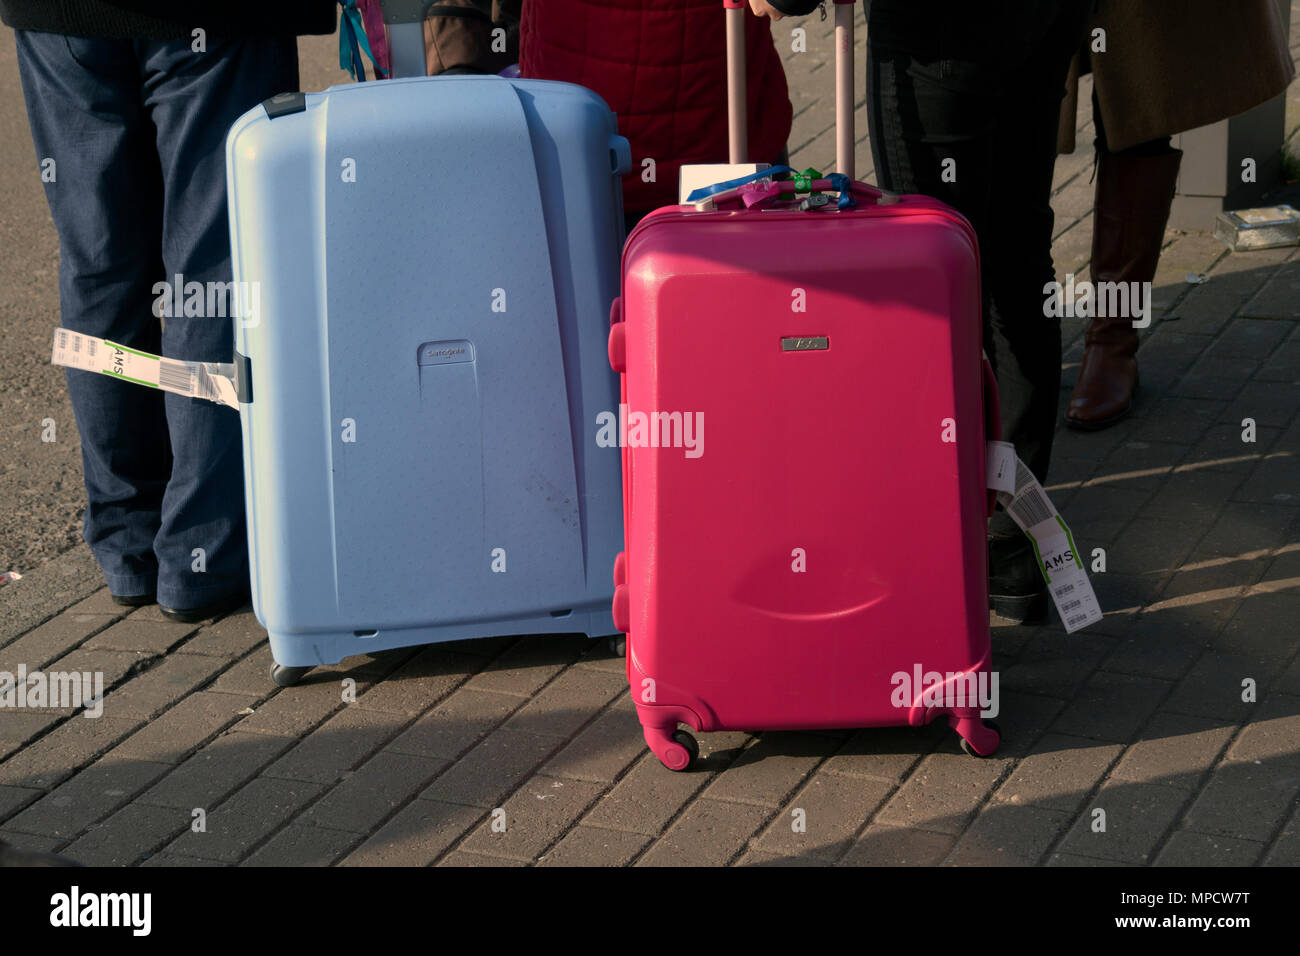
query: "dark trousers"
137, 133
981, 84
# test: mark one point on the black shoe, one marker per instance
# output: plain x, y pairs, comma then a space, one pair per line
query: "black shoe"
212, 609
1017, 590
134, 600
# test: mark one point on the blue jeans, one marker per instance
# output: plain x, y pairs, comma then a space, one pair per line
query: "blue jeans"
137, 133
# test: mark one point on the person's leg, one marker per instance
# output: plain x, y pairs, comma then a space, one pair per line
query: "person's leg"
193, 98
1135, 190
1025, 342
980, 90
105, 195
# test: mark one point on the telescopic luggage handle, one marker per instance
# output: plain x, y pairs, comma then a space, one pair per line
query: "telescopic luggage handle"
737, 113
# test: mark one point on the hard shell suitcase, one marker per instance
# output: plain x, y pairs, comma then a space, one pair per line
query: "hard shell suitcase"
818, 559
434, 260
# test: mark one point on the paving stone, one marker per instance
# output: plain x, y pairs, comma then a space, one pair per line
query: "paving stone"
152, 691
32, 842
832, 809
1272, 736
364, 799
1176, 750
709, 833
238, 824
461, 858
210, 775
1006, 834
885, 753
1180, 421
171, 737
1213, 688
18, 728
13, 799
1245, 800
89, 796
295, 710
420, 833
1023, 720
420, 683
337, 746
1137, 817
492, 769
1052, 668
135, 633
603, 750
528, 665
1058, 774
1151, 651
1071, 859
129, 836
882, 845
536, 817
456, 724
114, 665
52, 640
943, 793
1186, 848
298, 845
56, 756
1111, 706
593, 846
568, 703
231, 637
1285, 850
1263, 626
647, 798
249, 676
176, 860
766, 773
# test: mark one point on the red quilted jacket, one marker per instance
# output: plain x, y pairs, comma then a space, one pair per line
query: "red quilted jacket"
661, 66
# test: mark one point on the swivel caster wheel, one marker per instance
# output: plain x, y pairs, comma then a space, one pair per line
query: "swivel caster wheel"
690, 745
990, 738
618, 645
287, 676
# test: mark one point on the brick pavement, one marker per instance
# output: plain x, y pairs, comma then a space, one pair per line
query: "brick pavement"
1141, 717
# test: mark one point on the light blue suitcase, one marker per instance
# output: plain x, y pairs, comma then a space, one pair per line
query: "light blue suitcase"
432, 263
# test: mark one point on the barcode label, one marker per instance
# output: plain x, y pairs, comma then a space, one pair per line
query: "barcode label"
1064, 589
76, 345
175, 376
1030, 507
61, 339
1077, 619
92, 346
1070, 605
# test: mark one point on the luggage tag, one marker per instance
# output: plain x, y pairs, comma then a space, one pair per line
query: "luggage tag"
1058, 558
210, 381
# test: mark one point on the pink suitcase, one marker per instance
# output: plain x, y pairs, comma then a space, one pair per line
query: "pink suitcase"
825, 534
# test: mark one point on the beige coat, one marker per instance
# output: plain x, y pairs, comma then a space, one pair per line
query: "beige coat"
1175, 65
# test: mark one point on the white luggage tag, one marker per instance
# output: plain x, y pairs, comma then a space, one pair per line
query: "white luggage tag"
698, 175
1000, 464
1058, 558
211, 381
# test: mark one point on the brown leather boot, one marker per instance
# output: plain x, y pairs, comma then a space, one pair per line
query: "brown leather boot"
1134, 193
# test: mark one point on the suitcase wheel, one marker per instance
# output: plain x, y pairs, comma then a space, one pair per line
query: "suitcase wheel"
618, 645
287, 676
989, 742
686, 746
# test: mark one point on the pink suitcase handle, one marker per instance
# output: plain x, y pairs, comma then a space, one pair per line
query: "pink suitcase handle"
737, 111
770, 192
